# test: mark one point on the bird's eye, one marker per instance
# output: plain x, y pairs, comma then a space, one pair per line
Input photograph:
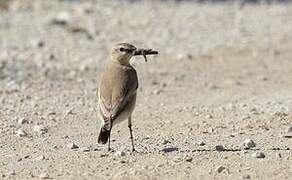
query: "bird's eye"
122, 49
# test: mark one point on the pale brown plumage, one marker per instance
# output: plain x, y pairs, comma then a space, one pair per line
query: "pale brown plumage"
118, 89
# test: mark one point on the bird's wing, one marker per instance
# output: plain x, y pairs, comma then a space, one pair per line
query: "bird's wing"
115, 92
129, 88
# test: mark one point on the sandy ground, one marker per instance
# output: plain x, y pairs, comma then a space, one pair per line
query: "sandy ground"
223, 76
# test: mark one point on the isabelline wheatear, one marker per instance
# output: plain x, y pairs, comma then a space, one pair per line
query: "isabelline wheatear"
117, 90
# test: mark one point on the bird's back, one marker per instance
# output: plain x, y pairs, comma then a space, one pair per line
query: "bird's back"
116, 81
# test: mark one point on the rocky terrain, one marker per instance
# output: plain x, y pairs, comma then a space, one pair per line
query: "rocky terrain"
214, 104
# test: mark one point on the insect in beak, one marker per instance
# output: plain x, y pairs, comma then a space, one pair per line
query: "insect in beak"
144, 52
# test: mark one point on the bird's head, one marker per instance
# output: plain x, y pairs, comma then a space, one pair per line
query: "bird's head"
122, 52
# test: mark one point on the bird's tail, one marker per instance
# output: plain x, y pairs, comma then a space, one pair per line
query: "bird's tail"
103, 135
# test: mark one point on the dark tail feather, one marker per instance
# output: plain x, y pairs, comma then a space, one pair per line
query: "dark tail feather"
103, 136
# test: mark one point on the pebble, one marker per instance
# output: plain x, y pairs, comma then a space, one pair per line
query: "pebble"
254, 111
246, 117
62, 18
44, 176
21, 133
209, 116
40, 129
157, 91
219, 147
169, 149
37, 43
70, 112
258, 155
289, 129
287, 136
188, 159
220, 169
201, 143
165, 142
39, 158
72, 146
12, 173
22, 121
246, 176
230, 106
103, 155
85, 149
120, 153
248, 143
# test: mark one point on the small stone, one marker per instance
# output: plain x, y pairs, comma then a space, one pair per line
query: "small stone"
219, 147
258, 155
62, 18
248, 143
220, 169
103, 155
120, 153
246, 176
37, 43
262, 78
289, 129
201, 143
254, 111
123, 161
188, 159
246, 117
165, 142
44, 176
12, 173
209, 116
39, 158
157, 91
72, 146
21, 133
287, 136
65, 137
22, 121
70, 112
169, 149
230, 106
40, 129
85, 149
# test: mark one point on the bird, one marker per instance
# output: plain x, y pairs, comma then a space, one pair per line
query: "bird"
117, 90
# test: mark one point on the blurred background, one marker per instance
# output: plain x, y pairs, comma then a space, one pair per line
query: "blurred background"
223, 75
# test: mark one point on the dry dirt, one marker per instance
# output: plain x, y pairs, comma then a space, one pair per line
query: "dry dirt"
223, 75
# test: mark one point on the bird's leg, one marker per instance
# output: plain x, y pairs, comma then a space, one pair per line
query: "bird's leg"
109, 143
131, 134
109, 140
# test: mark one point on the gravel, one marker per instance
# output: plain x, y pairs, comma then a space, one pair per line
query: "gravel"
44, 176
221, 169
40, 129
21, 133
259, 155
120, 153
248, 143
22, 121
169, 149
289, 129
219, 147
62, 18
72, 146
